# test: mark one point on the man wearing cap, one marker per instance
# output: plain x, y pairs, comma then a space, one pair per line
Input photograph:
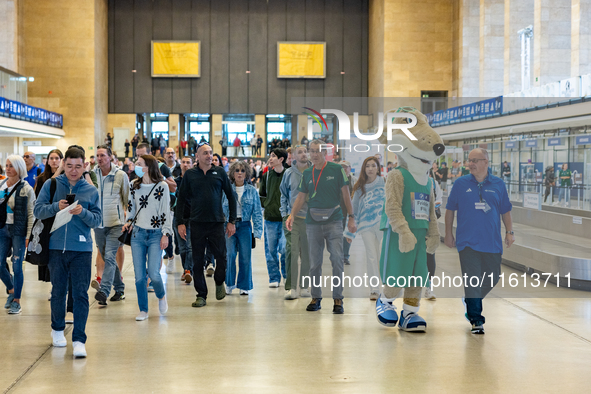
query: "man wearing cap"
456, 171
352, 180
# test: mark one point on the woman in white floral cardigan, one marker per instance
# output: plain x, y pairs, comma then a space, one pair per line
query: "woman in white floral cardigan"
150, 221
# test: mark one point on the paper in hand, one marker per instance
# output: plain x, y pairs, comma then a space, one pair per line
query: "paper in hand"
63, 217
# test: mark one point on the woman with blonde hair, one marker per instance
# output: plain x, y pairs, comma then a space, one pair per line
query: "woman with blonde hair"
17, 200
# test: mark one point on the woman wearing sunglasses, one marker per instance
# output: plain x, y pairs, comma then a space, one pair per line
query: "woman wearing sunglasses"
248, 207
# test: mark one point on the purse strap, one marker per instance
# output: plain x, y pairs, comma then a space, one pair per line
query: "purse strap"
138, 212
12, 192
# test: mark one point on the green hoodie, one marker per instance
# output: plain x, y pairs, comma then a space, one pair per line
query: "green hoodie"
271, 195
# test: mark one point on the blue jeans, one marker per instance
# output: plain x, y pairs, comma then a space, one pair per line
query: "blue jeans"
564, 192
7, 241
332, 233
185, 248
240, 244
77, 267
346, 245
145, 247
273, 247
481, 265
108, 243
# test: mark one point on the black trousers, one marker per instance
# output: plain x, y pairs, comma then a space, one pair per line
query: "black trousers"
431, 264
213, 236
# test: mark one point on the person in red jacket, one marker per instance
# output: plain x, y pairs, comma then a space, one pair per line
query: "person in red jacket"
238, 144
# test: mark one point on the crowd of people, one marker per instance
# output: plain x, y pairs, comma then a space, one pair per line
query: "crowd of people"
209, 210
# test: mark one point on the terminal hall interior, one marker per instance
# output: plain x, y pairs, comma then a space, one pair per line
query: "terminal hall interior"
498, 93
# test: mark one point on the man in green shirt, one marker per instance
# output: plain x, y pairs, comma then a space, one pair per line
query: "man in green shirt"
323, 186
565, 184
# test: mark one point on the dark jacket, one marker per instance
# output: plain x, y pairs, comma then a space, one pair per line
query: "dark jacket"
549, 181
271, 195
204, 193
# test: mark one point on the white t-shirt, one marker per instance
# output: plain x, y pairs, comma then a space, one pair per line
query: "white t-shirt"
4, 192
240, 192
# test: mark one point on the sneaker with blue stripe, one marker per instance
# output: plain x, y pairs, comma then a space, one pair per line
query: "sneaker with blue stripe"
386, 313
412, 322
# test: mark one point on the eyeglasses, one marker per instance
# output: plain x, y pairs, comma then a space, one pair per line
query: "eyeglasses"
26, 156
475, 161
202, 143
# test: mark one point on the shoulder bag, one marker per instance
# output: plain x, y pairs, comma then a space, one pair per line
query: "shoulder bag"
38, 249
125, 238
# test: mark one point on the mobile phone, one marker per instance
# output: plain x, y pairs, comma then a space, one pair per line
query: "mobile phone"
70, 198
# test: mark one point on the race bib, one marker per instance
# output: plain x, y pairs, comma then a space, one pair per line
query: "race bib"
420, 206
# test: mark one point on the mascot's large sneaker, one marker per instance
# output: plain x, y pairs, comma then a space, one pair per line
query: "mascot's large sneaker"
412, 322
386, 313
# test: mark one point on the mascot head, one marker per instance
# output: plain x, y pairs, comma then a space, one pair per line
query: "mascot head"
417, 156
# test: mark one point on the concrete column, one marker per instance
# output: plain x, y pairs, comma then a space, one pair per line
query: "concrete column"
216, 135
173, 131
416, 52
580, 38
552, 41
518, 14
9, 35
469, 52
260, 127
75, 83
492, 40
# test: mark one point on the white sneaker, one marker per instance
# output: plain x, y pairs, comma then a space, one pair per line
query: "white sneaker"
170, 266
429, 295
79, 350
229, 289
59, 340
69, 318
142, 316
373, 296
291, 294
274, 284
163, 305
209, 271
305, 293
244, 292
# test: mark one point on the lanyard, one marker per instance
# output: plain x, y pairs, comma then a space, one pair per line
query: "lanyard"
480, 187
319, 175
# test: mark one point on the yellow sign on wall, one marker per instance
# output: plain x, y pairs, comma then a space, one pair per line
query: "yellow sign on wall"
301, 59
179, 59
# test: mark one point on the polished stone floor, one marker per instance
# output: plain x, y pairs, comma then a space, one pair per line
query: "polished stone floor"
264, 344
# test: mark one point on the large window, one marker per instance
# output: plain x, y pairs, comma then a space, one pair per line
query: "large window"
241, 126
159, 125
278, 127
199, 127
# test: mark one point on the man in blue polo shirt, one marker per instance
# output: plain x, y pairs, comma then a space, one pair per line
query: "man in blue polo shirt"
481, 200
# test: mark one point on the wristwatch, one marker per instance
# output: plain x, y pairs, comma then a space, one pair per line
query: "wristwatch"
351, 216
510, 232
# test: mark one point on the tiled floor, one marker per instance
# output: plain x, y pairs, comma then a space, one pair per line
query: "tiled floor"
264, 344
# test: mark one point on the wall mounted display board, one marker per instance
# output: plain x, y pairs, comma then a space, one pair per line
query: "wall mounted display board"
176, 59
301, 59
